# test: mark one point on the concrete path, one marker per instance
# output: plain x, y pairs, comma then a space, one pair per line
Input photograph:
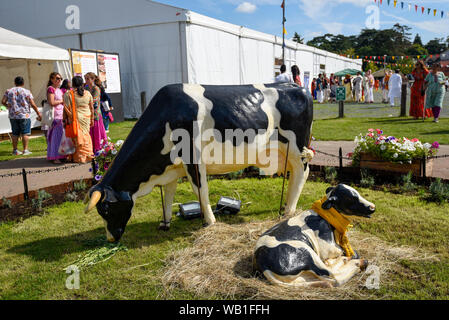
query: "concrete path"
11, 186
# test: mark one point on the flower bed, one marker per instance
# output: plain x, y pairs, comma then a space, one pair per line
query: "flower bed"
379, 151
104, 158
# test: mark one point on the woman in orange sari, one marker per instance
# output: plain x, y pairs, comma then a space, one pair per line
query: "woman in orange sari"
85, 116
417, 92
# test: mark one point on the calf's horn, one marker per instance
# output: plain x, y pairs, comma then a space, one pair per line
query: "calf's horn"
96, 195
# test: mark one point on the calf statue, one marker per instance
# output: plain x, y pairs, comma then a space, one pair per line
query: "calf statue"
312, 248
267, 121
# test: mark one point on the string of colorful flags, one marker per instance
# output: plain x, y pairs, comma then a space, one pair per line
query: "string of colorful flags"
389, 63
392, 58
418, 8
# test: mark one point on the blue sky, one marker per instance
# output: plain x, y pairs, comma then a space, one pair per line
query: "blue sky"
312, 18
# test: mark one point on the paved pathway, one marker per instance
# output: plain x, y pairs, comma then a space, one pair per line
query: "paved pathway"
11, 186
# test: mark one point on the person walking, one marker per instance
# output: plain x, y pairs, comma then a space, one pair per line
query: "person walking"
296, 75
395, 87
18, 101
417, 92
78, 103
369, 87
284, 76
319, 89
55, 100
385, 89
434, 84
357, 84
313, 87
326, 88
97, 132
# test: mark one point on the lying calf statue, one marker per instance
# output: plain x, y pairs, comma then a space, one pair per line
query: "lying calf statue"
312, 248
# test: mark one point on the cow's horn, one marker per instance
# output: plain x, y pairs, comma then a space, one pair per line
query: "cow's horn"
96, 195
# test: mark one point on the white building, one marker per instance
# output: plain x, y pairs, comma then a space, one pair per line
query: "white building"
160, 44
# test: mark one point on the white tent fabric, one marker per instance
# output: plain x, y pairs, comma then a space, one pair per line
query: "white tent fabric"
15, 45
33, 60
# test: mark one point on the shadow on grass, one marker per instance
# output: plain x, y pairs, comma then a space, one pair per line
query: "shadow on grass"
137, 235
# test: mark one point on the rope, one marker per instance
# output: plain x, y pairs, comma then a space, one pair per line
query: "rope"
15, 174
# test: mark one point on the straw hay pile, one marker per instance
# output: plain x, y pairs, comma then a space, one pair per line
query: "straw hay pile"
220, 263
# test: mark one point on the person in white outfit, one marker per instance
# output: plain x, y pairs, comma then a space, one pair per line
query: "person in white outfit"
284, 76
395, 87
369, 86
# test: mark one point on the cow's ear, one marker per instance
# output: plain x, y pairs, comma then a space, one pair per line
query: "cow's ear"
329, 203
329, 189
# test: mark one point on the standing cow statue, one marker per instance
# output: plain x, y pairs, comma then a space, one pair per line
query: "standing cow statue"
280, 113
312, 248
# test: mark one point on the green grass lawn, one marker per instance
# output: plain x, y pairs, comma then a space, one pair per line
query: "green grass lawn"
34, 252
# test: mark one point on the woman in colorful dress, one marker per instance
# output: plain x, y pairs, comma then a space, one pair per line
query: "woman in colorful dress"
296, 75
435, 90
55, 132
84, 115
417, 92
97, 132
66, 86
348, 85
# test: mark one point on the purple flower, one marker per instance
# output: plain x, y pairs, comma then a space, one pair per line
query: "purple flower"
90, 169
105, 167
98, 177
435, 145
97, 153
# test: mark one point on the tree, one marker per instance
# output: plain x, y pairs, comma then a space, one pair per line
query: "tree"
418, 40
436, 46
297, 38
416, 50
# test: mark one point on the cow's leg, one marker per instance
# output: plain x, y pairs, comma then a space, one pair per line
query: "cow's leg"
345, 269
298, 178
191, 172
169, 195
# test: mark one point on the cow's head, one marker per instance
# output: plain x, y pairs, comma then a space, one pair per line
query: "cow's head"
348, 201
114, 207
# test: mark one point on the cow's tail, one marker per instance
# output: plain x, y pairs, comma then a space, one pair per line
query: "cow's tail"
306, 155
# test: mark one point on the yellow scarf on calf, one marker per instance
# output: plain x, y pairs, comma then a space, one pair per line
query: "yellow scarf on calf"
339, 222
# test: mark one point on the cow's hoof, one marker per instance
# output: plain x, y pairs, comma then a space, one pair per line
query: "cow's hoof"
363, 264
164, 227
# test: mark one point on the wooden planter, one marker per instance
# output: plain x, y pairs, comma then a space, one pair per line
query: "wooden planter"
369, 161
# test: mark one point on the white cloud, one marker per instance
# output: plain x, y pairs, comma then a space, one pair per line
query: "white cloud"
246, 7
437, 27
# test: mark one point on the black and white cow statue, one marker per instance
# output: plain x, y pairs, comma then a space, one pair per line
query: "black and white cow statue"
283, 111
312, 248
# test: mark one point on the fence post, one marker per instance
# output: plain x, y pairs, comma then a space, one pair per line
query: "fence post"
25, 185
424, 160
143, 100
340, 157
94, 171
341, 109
403, 100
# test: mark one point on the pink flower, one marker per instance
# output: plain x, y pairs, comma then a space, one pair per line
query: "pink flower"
379, 131
435, 145
370, 135
382, 137
370, 130
415, 140
349, 155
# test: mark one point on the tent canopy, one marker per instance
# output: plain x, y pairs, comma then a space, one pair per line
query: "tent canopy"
16, 46
344, 72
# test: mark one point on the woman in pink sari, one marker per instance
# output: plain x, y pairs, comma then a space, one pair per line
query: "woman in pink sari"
97, 132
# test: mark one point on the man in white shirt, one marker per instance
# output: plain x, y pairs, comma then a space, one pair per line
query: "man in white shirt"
395, 87
284, 76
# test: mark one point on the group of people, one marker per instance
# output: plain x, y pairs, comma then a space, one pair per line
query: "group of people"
285, 77
81, 106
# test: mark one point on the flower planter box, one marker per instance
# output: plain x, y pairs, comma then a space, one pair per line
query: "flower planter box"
372, 162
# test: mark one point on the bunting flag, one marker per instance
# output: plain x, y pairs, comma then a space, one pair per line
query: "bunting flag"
285, 31
423, 9
283, 4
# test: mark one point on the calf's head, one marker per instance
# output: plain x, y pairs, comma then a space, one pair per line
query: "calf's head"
114, 207
348, 201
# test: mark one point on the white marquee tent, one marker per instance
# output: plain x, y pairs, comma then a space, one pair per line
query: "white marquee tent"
33, 60
160, 44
